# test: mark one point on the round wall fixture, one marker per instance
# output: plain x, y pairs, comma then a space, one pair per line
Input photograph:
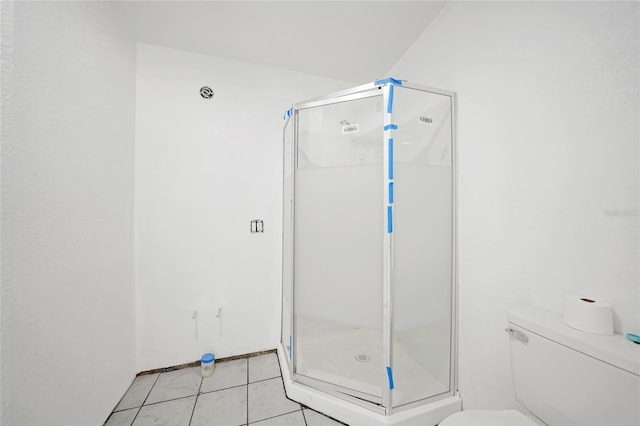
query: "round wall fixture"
206, 92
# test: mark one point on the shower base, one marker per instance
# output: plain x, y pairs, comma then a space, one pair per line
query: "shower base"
351, 358
354, 361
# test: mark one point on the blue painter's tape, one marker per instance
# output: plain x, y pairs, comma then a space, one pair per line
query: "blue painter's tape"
390, 158
287, 114
389, 219
388, 80
390, 103
634, 338
391, 127
290, 346
390, 375
390, 192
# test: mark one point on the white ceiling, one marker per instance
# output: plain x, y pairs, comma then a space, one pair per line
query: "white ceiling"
356, 41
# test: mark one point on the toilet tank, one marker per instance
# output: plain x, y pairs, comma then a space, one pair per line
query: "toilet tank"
568, 377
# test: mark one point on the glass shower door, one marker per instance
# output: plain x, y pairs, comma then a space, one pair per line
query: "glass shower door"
423, 252
338, 240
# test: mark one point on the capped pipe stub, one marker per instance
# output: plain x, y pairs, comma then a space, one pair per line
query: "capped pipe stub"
207, 358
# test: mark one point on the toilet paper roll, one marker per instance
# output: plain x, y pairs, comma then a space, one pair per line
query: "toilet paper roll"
588, 315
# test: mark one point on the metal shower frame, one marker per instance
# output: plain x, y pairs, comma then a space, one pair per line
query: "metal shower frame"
384, 88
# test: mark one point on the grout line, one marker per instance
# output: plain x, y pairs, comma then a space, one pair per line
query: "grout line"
222, 389
303, 416
275, 417
117, 412
268, 378
196, 401
169, 400
136, 416
145, 398
155, 382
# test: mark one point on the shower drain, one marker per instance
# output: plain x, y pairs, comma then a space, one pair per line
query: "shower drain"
362, 358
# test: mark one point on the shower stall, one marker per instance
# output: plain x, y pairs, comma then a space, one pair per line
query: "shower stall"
369, 254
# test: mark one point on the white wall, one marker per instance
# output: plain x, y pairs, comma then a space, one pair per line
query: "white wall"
204, 170
549, 154
68, 105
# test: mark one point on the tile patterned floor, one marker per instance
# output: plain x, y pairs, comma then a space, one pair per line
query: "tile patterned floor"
240, 392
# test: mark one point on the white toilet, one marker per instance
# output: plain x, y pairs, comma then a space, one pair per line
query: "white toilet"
564, 377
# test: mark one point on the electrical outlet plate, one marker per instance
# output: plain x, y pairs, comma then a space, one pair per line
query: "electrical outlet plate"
257, 225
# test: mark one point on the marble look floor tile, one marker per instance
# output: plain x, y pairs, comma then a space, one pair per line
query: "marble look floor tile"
175, 384
292, 419
314, 418
170, 413
267, 399
137, 392
226, 375
122, 418
263, 367
227, 407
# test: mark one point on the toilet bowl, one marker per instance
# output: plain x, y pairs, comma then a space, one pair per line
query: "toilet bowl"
564, 377
488, 418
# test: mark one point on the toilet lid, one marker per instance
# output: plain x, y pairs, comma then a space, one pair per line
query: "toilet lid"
487, 418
